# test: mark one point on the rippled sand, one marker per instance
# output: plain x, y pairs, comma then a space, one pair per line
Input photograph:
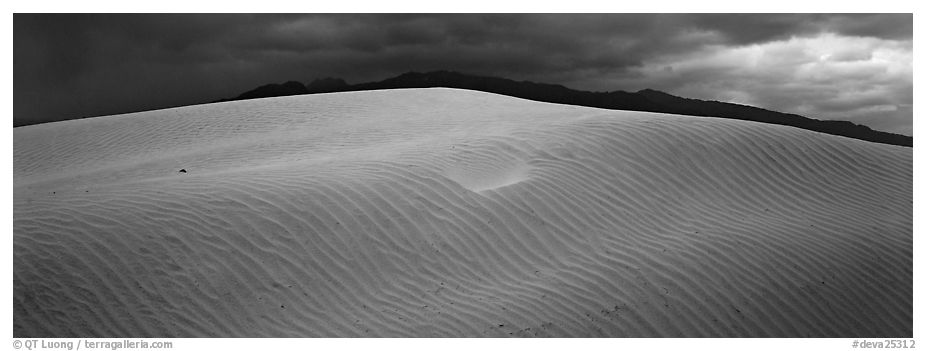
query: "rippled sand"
444, 212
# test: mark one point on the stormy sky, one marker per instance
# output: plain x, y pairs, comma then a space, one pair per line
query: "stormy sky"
854, 67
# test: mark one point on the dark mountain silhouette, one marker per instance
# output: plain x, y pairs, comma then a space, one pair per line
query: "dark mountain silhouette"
271, 90
643, 100
327, 85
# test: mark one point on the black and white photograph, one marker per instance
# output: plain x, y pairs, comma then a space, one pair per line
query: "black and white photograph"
462, 175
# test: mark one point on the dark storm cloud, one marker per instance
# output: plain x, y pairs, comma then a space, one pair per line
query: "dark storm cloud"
67, 66
759, 28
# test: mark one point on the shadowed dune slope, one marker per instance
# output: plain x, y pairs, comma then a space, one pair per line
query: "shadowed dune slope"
443, 212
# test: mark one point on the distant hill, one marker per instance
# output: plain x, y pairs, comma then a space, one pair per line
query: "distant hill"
288, 88
327, 85
643, 100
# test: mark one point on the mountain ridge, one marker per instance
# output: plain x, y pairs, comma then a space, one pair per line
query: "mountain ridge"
648, 100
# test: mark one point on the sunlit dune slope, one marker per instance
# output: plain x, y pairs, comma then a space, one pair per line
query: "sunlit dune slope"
443, 212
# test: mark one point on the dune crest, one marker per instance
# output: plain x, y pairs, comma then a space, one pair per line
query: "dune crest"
444, 212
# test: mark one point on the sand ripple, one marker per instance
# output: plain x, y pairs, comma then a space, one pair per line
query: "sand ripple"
443, 212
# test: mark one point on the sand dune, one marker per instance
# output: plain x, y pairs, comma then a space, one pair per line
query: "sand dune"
443, 212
